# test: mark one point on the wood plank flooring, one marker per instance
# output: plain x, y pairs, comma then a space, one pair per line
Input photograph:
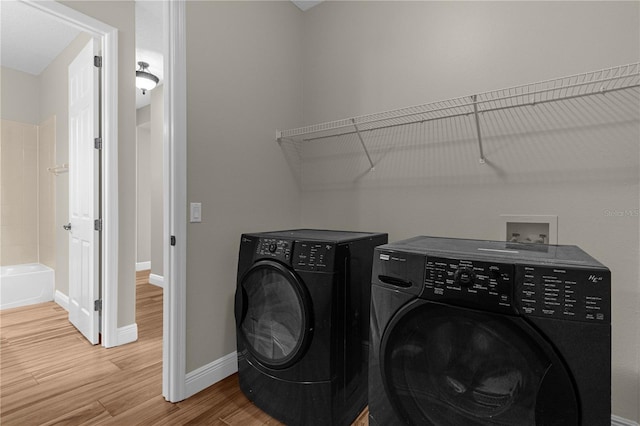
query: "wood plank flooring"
50, 375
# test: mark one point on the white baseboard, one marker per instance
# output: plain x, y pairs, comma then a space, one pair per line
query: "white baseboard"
143, 266
61, 299
156, 280
126, 334
620, 421
210, 374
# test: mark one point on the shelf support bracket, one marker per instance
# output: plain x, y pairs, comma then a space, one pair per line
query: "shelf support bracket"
366, 151
475, 113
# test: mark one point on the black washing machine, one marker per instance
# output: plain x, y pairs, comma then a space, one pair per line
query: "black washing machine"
302, 323
484, 333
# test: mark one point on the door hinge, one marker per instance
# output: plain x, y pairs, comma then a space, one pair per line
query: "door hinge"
97, 61
97, 305
97, 225
173, 240
97, 143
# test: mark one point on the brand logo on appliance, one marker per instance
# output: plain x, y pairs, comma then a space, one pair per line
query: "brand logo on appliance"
594, 278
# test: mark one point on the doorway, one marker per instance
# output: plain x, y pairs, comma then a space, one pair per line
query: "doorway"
80, 27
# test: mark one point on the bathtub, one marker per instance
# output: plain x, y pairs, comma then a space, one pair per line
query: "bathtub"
26, 284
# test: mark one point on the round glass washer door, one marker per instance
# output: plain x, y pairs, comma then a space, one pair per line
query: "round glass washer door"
275, 320
450, 366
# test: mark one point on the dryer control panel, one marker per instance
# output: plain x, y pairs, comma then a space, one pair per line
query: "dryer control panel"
477, 284
302, 255
314, 256
274, 248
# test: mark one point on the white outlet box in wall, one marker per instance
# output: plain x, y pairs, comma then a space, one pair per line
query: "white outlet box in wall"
529, 228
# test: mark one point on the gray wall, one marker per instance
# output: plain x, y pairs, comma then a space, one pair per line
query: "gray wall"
244, 80
143, 194
155, 180
575, 160
149, 180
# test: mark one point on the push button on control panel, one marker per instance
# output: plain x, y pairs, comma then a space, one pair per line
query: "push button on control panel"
464, 277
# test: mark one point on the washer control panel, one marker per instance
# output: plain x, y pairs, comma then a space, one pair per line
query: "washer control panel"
472, 283
566, 293
274, 248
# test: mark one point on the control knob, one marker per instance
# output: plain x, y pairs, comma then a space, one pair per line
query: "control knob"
273, 247
464, 277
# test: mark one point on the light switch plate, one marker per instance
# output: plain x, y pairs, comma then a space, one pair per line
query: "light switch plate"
196, 212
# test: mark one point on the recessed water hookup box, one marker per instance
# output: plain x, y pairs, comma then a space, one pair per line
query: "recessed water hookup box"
542, 229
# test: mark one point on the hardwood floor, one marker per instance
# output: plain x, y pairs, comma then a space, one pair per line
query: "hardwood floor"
50, 375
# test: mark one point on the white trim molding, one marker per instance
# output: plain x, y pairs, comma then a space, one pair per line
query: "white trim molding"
127, 334
143, 266
61, 299
621, 421
156, 280
175, 188
211, 374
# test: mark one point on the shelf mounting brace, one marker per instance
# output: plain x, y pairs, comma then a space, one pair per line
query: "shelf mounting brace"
475, 113
366, 151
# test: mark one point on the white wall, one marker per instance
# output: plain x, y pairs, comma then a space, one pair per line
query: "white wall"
575, 159
244, 80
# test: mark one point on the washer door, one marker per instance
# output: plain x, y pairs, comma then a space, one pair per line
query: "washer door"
444, 365
273, 314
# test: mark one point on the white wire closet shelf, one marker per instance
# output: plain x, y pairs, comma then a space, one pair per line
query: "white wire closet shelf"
591, 83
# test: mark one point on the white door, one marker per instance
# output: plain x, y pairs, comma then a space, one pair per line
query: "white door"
83, 194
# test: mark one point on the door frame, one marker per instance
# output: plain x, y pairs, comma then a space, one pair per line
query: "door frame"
174, 181
108, 37
175, 200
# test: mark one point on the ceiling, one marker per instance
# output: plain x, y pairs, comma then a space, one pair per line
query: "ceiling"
31, 39
306, 4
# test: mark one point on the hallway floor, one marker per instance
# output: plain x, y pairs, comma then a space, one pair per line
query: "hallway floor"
49, 374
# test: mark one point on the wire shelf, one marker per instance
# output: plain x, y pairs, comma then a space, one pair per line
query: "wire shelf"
571, 87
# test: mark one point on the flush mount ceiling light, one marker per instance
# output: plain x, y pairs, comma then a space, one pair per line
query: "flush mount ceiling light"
144, 79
